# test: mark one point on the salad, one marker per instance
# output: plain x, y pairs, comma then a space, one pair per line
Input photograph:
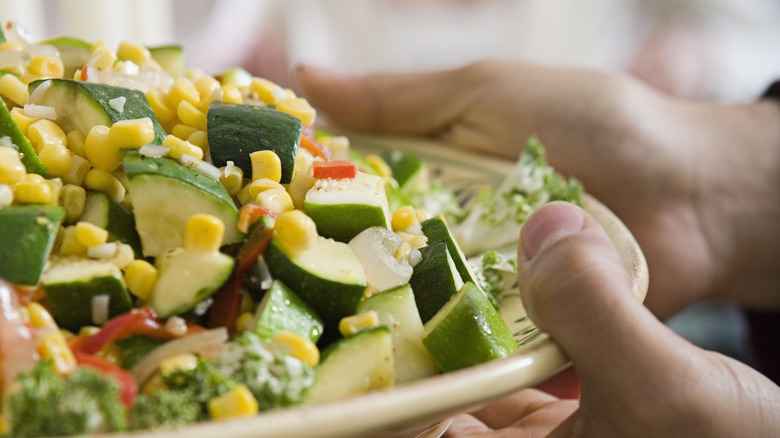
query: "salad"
177, 247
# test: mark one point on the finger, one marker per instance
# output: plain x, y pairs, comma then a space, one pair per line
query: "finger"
411, 103
465, 425
508, 410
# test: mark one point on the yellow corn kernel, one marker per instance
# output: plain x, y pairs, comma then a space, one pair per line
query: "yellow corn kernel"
46, 66
73, 197
404, 252
403, 218
40, 317
112, 353
338, 146
190, 115
78, 170
236, 403
103, 153
298, 188
266, 91
199, 139
89, 234
231, 94
131, 134
179, 362
10, 45
295, 229
250, 191
76, 141
105, 182
298, 347
232, 177
55, 184
14, 89
204, 232
165, 113
136, 53
266, 164
69, 245
182, 89
243, 321
141, 276
12, 169
349, 325
22, 120
57, 159
417, 241
45, 132
193, 73
54, 346
6, 195
33, 192
298, 107
183, 131
102, 57
206, 86
276, 201
303, 162
379, 165
178, 147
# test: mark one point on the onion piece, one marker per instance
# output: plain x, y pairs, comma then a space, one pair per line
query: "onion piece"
205, 343
100, 309
375, 247
40, 111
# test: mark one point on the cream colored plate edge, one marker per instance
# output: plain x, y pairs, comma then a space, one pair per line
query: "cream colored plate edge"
423, 407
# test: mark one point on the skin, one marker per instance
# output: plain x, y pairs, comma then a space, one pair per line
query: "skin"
697, 183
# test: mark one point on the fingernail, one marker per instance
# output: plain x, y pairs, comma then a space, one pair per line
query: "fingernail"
549, 224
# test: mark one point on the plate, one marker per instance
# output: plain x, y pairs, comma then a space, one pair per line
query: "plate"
423, 408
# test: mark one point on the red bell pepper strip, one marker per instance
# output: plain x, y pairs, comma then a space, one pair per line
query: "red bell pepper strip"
249, 214
315, 148
127, 384
339, 169
226, 308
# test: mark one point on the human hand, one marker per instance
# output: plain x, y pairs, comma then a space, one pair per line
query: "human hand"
637, 378
706, 213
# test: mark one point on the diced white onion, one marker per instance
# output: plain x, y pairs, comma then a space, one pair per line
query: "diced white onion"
375, 248
104, 251
118, 103
176, 326
100, 309
40, 111
5, 141
200, 165
6, 195
153, 151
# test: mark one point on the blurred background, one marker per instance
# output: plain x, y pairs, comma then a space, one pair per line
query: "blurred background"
724, 50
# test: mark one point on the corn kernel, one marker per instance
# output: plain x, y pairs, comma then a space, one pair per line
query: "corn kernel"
403, 218
296, 230
131, 134
46, 66
338, 147
379, 165
236, 403
54, 346
22, 120
190, 115
76, 141
243, 321
182, 89
417, 241
165, 113
266, 164
299, 347
112, 352
303, 163
14, 89
232, 177
203, 232
298, 188
57, 159
73, 197
136, 53
55, 184
33, 192
6, 195
266, 91
250, 191
69, 244
178, 147
179, 362
44, 132
105, 182
276, 200
12, 169
102, 57
10, 45
298, 107
349, 325
141, 276
78, 170
89, 234
183, 131
231, 94
99, 149
40, 317
206, 86
199, 139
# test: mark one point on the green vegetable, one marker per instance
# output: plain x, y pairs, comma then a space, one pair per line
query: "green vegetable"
494, 269
135, 348
199, 384
163, 409
275, 379
47, 404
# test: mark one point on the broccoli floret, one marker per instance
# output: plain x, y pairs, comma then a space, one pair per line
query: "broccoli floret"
274, 378
47, 404
200, 384
164, 409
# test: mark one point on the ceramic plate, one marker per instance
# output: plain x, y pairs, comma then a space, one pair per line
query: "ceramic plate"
422, 408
